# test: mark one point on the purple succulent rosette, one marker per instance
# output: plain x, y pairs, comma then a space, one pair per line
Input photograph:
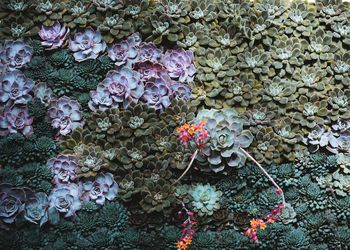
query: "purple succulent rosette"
149, 70
66, 115
157, 94
181, 90
134, 40
14, 86
12, 200
16, 119
43, 93
87, 45
122, 53
35, 210
54, 36
124, 86
64, 199
179, 64
100, 99
15, 55
63, 168
102, 188
149, 52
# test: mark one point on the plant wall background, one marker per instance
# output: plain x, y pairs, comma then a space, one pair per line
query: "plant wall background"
91, 93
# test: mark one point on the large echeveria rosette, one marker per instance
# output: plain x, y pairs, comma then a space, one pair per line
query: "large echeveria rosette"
66, 115
54, 36
87, 45
227, 136
15, 87
15, 55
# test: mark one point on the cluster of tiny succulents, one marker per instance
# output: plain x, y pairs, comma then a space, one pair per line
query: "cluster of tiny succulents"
132, 124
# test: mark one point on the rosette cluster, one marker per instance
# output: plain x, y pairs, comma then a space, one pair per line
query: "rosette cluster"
144, 73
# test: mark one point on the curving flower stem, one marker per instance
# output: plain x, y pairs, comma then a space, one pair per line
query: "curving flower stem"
188, 167
267, 174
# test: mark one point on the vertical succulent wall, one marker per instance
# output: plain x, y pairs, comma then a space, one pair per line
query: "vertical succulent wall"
91, 93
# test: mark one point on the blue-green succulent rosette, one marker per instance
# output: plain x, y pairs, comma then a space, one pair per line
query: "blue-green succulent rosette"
226, 137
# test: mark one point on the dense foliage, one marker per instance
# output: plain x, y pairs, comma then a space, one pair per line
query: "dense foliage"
91, 94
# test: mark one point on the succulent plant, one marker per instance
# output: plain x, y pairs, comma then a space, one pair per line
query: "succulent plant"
241, 92
288, 53
149, 70
339, 100
122, 53
203, 10
124, 86
35, 209
227, 136
16, 119
148, 52
331, 11
181, 90
15, 54
343, 160
157, 94
259, 116
205, 199
312, 77
281, 90
266, 146
341, 183
194, 34
130, 184
43, 93
105, 5
78, 13
227, 37
64, 199
256, 60
321, 137
65, 114
101, 188
15, 88
274, 8
49, 11
101, 99
312, 111
341, 30
300, 20
177, 10
54, 36
340, 66
12, 202
87, 45
321, 46
179, 64
157, 196
63, 168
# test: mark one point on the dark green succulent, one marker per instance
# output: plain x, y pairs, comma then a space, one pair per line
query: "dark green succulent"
321, 46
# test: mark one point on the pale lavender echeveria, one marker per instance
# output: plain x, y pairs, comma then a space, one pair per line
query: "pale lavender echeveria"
12, 201
157, 94
179, 64
54, 36
124, 86
66, 115
181, 90
15, 86
15, 54
100, 99
87, 45
35, 209
134, 39
122, 53
63, 168
16, 119
149, 52
102, 188
43, 93
64, 199
149, 70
